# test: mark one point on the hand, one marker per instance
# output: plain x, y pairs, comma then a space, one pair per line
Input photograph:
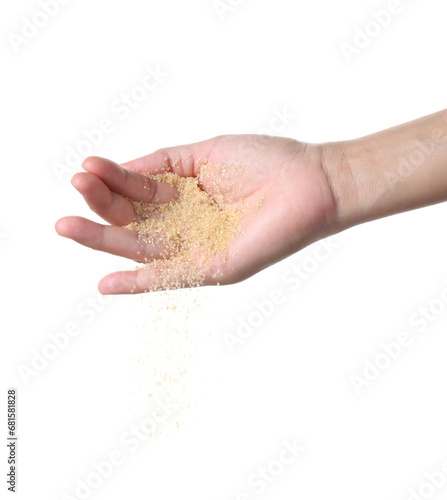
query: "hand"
297, 206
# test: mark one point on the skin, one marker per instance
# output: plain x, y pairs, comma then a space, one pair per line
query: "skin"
308, 192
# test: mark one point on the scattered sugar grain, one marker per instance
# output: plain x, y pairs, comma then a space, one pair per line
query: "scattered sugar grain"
169, 342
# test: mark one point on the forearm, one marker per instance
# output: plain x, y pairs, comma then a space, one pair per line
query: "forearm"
399, 169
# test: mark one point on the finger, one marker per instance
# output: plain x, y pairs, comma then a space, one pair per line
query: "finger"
148, 279
111, 206
154, 163
131, 184
182, 160
111, 239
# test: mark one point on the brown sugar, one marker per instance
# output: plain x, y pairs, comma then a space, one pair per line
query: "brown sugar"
195, 229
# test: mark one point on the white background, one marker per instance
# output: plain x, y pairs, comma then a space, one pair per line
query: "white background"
291, 379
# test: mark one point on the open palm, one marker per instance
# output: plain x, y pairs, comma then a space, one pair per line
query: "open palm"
285, 178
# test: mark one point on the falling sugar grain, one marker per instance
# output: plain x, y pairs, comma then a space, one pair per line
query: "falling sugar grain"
171, 339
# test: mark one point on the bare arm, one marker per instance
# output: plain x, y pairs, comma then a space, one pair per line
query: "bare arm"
399, 169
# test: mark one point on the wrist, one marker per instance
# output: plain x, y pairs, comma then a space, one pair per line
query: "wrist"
337, 166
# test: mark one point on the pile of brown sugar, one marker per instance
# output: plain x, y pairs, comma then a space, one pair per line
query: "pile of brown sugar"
195, 229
